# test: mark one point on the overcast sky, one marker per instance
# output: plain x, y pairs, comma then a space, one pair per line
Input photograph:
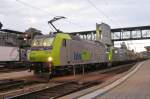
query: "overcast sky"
81, 14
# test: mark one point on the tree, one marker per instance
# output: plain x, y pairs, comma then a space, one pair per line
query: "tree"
29, 35
31, 32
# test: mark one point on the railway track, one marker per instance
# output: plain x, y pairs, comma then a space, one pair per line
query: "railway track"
72, 86
57, 91
8, 70
10, 84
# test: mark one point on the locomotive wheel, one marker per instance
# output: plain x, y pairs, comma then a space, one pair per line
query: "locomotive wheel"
43, 70
109, 64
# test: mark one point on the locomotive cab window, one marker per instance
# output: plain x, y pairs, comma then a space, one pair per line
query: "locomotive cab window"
37, 42
107, 50
48, 41
43, 42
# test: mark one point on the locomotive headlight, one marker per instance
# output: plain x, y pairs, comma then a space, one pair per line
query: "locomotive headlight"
44, 44
50, 59
34, 44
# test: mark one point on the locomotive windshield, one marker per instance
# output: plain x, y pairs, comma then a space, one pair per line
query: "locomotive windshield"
43, 41
37, 42
48, 41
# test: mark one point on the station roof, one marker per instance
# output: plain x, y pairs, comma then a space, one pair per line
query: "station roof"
11, 31
147, 48
130, 28
117, 29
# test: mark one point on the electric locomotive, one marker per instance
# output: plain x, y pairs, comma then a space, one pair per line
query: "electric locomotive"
51, 52
61, 51
57, 51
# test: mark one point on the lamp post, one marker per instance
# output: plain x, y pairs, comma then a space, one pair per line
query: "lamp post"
1, 25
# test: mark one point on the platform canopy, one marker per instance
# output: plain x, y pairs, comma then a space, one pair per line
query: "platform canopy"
147, 48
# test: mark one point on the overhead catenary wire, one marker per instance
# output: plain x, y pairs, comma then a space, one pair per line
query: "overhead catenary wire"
108, 17
51, 14
45, 11
102, 12
34, 7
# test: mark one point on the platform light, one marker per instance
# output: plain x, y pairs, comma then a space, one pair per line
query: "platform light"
26, 35
25, 39
32, 20
34, 44
44, 44
50, 59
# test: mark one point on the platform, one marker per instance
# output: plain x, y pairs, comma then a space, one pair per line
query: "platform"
16, 74
137, 86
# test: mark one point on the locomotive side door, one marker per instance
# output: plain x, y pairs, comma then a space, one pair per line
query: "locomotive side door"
64, 53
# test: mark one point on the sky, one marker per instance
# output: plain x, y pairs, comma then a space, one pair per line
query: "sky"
81, 15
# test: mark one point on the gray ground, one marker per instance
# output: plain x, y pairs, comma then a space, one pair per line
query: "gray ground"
13, 75
136, 87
